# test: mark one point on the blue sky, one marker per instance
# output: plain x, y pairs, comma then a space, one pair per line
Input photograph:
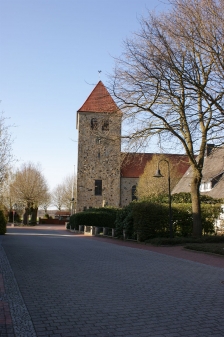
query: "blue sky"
50, 54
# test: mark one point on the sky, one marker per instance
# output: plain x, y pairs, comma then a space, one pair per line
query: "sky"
50, 55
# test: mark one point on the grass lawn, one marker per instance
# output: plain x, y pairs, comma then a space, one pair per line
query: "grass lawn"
215, 248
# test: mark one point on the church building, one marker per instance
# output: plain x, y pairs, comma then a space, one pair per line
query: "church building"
104, 177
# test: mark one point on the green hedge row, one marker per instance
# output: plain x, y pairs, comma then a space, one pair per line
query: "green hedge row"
149, 219
99, 217
152, 220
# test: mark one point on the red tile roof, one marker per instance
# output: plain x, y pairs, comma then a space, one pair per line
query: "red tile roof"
99, 101
134, 164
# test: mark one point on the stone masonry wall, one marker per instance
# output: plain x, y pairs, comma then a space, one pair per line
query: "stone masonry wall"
126, 190
98, 159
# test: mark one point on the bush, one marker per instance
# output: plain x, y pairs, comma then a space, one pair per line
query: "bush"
68, 225
186, 198
151, 219
124, 221
3, 223
99, 217
215, 248
209, 212
72, 223
182, 220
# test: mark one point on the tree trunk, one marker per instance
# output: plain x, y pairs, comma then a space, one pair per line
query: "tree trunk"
26, 216
196, 207
34, 215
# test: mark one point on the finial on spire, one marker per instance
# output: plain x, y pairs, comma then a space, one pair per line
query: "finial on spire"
99, 71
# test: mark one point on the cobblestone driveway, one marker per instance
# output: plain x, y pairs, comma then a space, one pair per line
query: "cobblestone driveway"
76, 286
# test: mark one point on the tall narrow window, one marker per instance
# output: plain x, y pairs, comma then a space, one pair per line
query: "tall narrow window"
94, 124
105, 125
133, 193
98, 187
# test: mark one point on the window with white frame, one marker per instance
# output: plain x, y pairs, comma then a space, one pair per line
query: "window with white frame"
206, 186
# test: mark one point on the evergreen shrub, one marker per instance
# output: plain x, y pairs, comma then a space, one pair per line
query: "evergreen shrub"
182, 219
209, 212
150, 219
68, 224
72, 222
124, 221
99, 217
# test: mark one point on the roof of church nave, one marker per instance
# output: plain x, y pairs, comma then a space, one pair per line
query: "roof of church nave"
99, 101
133, 164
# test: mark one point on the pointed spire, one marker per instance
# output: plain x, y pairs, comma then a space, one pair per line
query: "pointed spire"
99, 101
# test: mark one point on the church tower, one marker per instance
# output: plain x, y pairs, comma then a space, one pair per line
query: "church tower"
99, 149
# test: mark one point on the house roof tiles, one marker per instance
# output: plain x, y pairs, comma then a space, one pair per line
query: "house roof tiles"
213, 167
99, 101
133, 164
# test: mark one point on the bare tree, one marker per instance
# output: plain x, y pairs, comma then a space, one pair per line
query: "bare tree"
69, 196
8, 199
30, 189
57, 196
202, 21
64, 193
6, 156
46, 202
6, 196
168, 84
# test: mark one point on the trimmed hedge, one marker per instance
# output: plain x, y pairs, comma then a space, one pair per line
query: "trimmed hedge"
150, 220
125, 221
215, 248
99, 217
209, 212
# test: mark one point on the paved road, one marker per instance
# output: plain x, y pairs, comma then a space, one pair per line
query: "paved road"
76, 286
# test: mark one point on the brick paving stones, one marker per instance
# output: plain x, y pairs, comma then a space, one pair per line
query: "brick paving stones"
14, 317
77, 286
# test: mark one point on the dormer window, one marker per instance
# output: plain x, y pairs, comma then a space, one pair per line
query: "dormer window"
206, 186
105, 125
94, 124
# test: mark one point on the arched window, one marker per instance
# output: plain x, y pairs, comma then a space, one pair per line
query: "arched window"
94, 124
133, 193
105, 125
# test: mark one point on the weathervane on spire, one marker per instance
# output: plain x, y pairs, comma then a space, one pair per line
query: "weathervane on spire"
99, 71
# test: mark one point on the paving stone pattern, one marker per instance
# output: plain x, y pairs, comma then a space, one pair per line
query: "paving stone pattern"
15, 320
75, 286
